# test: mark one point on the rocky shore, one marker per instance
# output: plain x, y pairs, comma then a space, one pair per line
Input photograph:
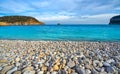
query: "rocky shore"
59, 57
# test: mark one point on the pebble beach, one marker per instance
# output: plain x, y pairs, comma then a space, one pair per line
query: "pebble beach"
59, 57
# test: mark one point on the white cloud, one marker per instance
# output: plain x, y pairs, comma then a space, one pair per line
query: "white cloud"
109, 15
85, 19
61, 16
40, 4
117, 8
95, 19
65, 11
55, 18
15, 6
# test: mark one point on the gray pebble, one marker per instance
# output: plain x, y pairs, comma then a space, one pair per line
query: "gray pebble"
105, 64
93, 71
17, 64
40, 72
110, 60
54, 72
12, 70
87, 71
109, 69
118, 71
63, 71
0, 68
80, 71
71, 64
29, 72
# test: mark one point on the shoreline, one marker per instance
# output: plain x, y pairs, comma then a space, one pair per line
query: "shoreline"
111, 41
63, 57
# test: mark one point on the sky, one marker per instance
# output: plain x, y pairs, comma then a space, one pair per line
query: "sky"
63, 11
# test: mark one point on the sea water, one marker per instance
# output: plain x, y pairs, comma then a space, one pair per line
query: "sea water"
61, 32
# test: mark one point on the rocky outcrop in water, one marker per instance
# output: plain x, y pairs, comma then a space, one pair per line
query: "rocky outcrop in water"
19, 20
115, 20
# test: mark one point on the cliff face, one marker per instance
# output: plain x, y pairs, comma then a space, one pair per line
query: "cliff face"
19, 20
115, 20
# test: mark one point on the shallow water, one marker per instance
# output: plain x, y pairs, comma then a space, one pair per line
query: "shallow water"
62, 32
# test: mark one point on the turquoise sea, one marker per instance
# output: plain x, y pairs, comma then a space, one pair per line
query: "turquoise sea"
61, 32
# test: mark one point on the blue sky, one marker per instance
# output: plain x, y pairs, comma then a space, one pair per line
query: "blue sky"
63, 11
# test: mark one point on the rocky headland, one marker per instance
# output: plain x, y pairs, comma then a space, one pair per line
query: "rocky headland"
59, 57
115, 20
19, 20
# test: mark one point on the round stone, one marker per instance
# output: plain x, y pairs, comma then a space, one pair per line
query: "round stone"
44, 68
69, 70
54, 72
118, 65
71, 64
106, 64
17, 59
17, 64
0, 68
110, 60
40, 72
64, 61
55, 67
29, 72
12, 70
5, 69
47, 64
3, 61
41, 55
80, 71
93, 71
17, 72
63, 72
109, 69
118, 71
100, 64
97, 63
88, 66
29, 68
88, 71
48, 73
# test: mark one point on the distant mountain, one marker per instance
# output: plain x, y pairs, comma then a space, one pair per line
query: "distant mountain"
19, 20
115, 20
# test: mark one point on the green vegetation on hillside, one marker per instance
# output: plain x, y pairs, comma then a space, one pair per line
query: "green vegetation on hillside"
19, 20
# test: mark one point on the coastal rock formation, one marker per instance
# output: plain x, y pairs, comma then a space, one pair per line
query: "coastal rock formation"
19, 20
115, 20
